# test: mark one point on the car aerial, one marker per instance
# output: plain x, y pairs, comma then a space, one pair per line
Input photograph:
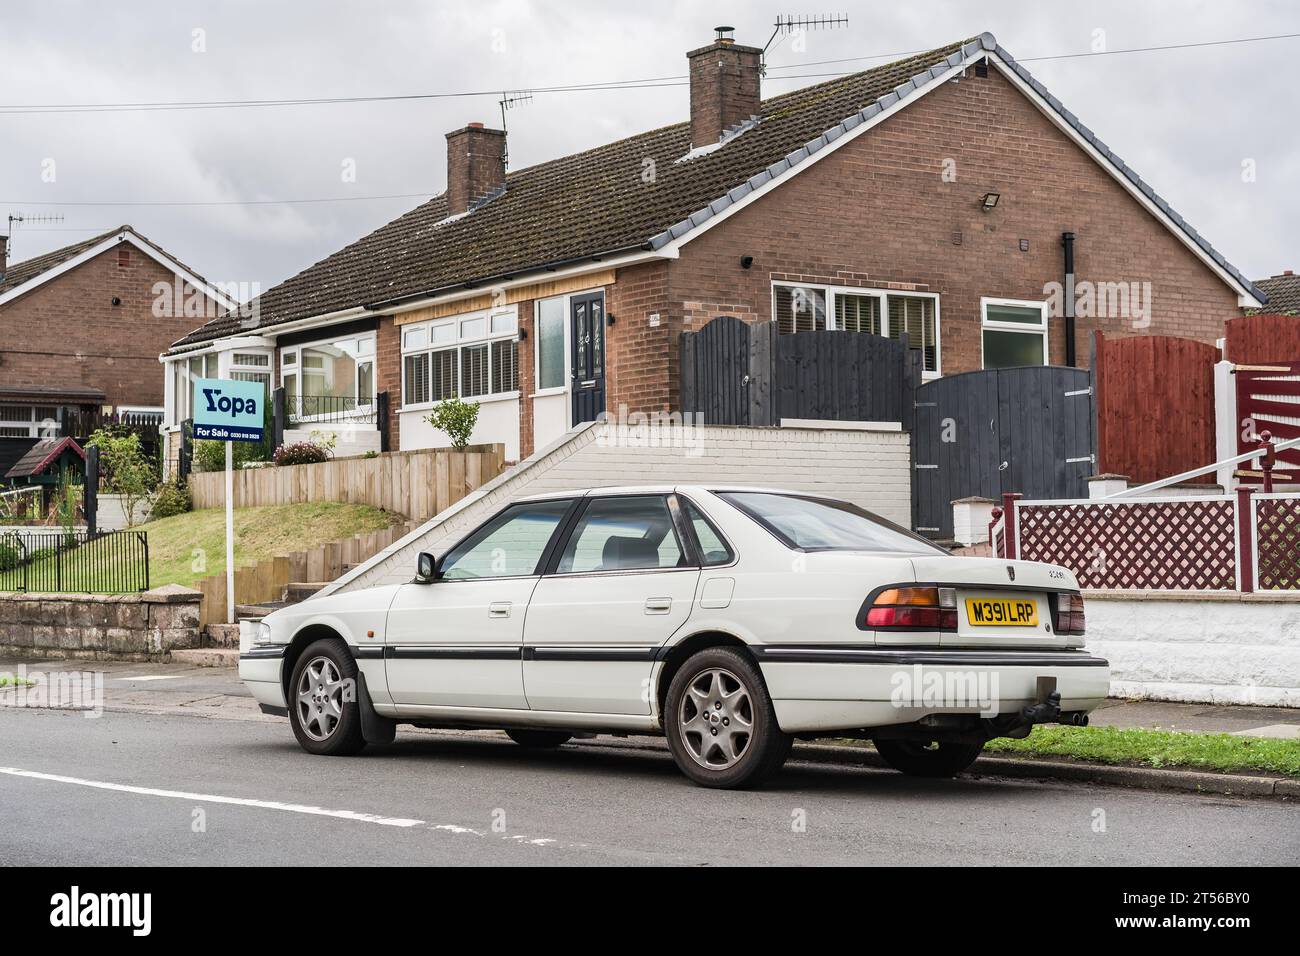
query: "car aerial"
730, 620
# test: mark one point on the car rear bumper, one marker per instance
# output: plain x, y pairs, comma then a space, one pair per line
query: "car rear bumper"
826, 689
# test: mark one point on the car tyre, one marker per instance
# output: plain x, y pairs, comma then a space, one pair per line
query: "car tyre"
539, 739
720, 723
919, 758
325, 714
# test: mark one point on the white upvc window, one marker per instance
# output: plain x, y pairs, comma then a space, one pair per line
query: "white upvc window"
251, 365
908, 317
1013, 332
184, 371
30, 421
330, 376
470, 356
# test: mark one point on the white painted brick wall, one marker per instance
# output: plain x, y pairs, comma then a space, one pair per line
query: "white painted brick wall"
1204, 647
868, 468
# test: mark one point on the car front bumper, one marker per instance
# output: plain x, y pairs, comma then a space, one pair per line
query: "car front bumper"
260, 668
828, 689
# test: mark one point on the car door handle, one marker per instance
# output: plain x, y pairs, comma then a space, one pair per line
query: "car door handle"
660, 605
499, 609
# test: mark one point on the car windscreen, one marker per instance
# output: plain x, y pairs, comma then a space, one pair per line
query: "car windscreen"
821, 524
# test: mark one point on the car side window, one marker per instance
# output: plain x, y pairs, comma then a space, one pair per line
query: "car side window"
713, 550
509, 545
623, 534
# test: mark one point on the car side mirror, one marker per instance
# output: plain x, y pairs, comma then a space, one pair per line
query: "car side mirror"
427, 568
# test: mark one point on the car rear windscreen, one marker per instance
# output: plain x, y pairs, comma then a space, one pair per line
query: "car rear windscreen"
821, 524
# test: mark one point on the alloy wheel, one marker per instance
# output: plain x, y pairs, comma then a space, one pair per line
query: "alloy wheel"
716, 719
320, 698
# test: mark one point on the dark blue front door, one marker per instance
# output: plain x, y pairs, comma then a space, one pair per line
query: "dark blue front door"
587, 319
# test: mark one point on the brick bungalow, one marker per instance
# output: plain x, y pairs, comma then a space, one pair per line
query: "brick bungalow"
928, 200
80, 331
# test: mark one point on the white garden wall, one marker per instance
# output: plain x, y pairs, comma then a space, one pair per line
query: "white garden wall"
870, 468
1199, 646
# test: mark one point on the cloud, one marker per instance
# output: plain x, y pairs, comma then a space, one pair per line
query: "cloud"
1184, 119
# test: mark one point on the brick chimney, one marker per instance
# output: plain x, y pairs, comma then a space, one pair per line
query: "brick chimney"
724, 86
475, 165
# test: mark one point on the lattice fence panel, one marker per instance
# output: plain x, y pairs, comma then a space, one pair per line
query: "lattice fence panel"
1277, 532
1165, 545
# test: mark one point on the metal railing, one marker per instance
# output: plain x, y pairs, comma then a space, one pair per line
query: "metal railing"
331, 408
60, 561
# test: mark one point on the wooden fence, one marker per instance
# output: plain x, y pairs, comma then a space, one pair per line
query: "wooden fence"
1262, 339
265, 580
1155, 405
744, 373
414, 484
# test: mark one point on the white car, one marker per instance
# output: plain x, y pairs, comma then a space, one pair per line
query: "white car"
731, 620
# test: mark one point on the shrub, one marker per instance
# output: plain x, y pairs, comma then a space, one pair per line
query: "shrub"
125, 468
301, 453
173, 498
9, 555
211, 455
456, 419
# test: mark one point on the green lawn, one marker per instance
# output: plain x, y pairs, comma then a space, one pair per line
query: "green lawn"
11, 680
177, 543
1157, 748
187, 547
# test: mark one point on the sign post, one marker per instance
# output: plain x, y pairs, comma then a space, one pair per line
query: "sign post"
229, 411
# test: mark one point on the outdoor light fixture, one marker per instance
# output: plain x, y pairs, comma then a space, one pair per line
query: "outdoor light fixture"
990, 200
746, 261
609, 318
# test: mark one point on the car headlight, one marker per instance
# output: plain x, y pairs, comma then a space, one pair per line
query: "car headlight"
263, 633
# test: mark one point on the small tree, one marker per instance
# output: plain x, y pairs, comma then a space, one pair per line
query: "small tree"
456, 419
126, 470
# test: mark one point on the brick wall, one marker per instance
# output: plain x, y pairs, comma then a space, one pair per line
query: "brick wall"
878, 213
641, 360
388, 375
68, 332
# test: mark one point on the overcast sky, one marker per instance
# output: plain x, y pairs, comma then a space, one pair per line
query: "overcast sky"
1186, 120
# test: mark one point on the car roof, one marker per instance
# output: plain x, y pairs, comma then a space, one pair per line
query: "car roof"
663, 489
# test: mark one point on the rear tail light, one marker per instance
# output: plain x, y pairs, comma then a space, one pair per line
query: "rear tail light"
1069, 614
913, 609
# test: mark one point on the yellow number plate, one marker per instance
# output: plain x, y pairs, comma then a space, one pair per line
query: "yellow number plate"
986, 612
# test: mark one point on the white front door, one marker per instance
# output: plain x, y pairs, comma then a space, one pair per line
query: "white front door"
458, 642
622, 584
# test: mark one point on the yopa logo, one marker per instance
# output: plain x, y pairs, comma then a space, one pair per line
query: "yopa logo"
76, 909
228, 405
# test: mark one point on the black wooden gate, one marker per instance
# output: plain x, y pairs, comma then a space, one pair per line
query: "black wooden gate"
1027, 429
742, 373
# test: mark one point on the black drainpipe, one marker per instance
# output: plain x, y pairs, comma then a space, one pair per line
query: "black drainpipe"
1067, 242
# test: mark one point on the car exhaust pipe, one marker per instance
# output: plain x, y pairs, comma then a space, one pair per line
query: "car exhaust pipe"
1075, 718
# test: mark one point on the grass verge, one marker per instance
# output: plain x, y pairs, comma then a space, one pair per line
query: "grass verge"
11, 680
1135, 747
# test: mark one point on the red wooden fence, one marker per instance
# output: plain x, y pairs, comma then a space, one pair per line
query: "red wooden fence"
1155, 406
1262, 339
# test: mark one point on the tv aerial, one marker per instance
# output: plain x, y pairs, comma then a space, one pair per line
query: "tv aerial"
509, 100
789, 25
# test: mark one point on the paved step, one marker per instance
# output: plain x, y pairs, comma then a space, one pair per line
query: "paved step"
221, 635
302, 590
208, 657
253, 610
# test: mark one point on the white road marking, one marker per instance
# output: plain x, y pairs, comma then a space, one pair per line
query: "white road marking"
152, 677
215, 798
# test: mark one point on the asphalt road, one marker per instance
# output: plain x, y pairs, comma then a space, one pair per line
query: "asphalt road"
133, 788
